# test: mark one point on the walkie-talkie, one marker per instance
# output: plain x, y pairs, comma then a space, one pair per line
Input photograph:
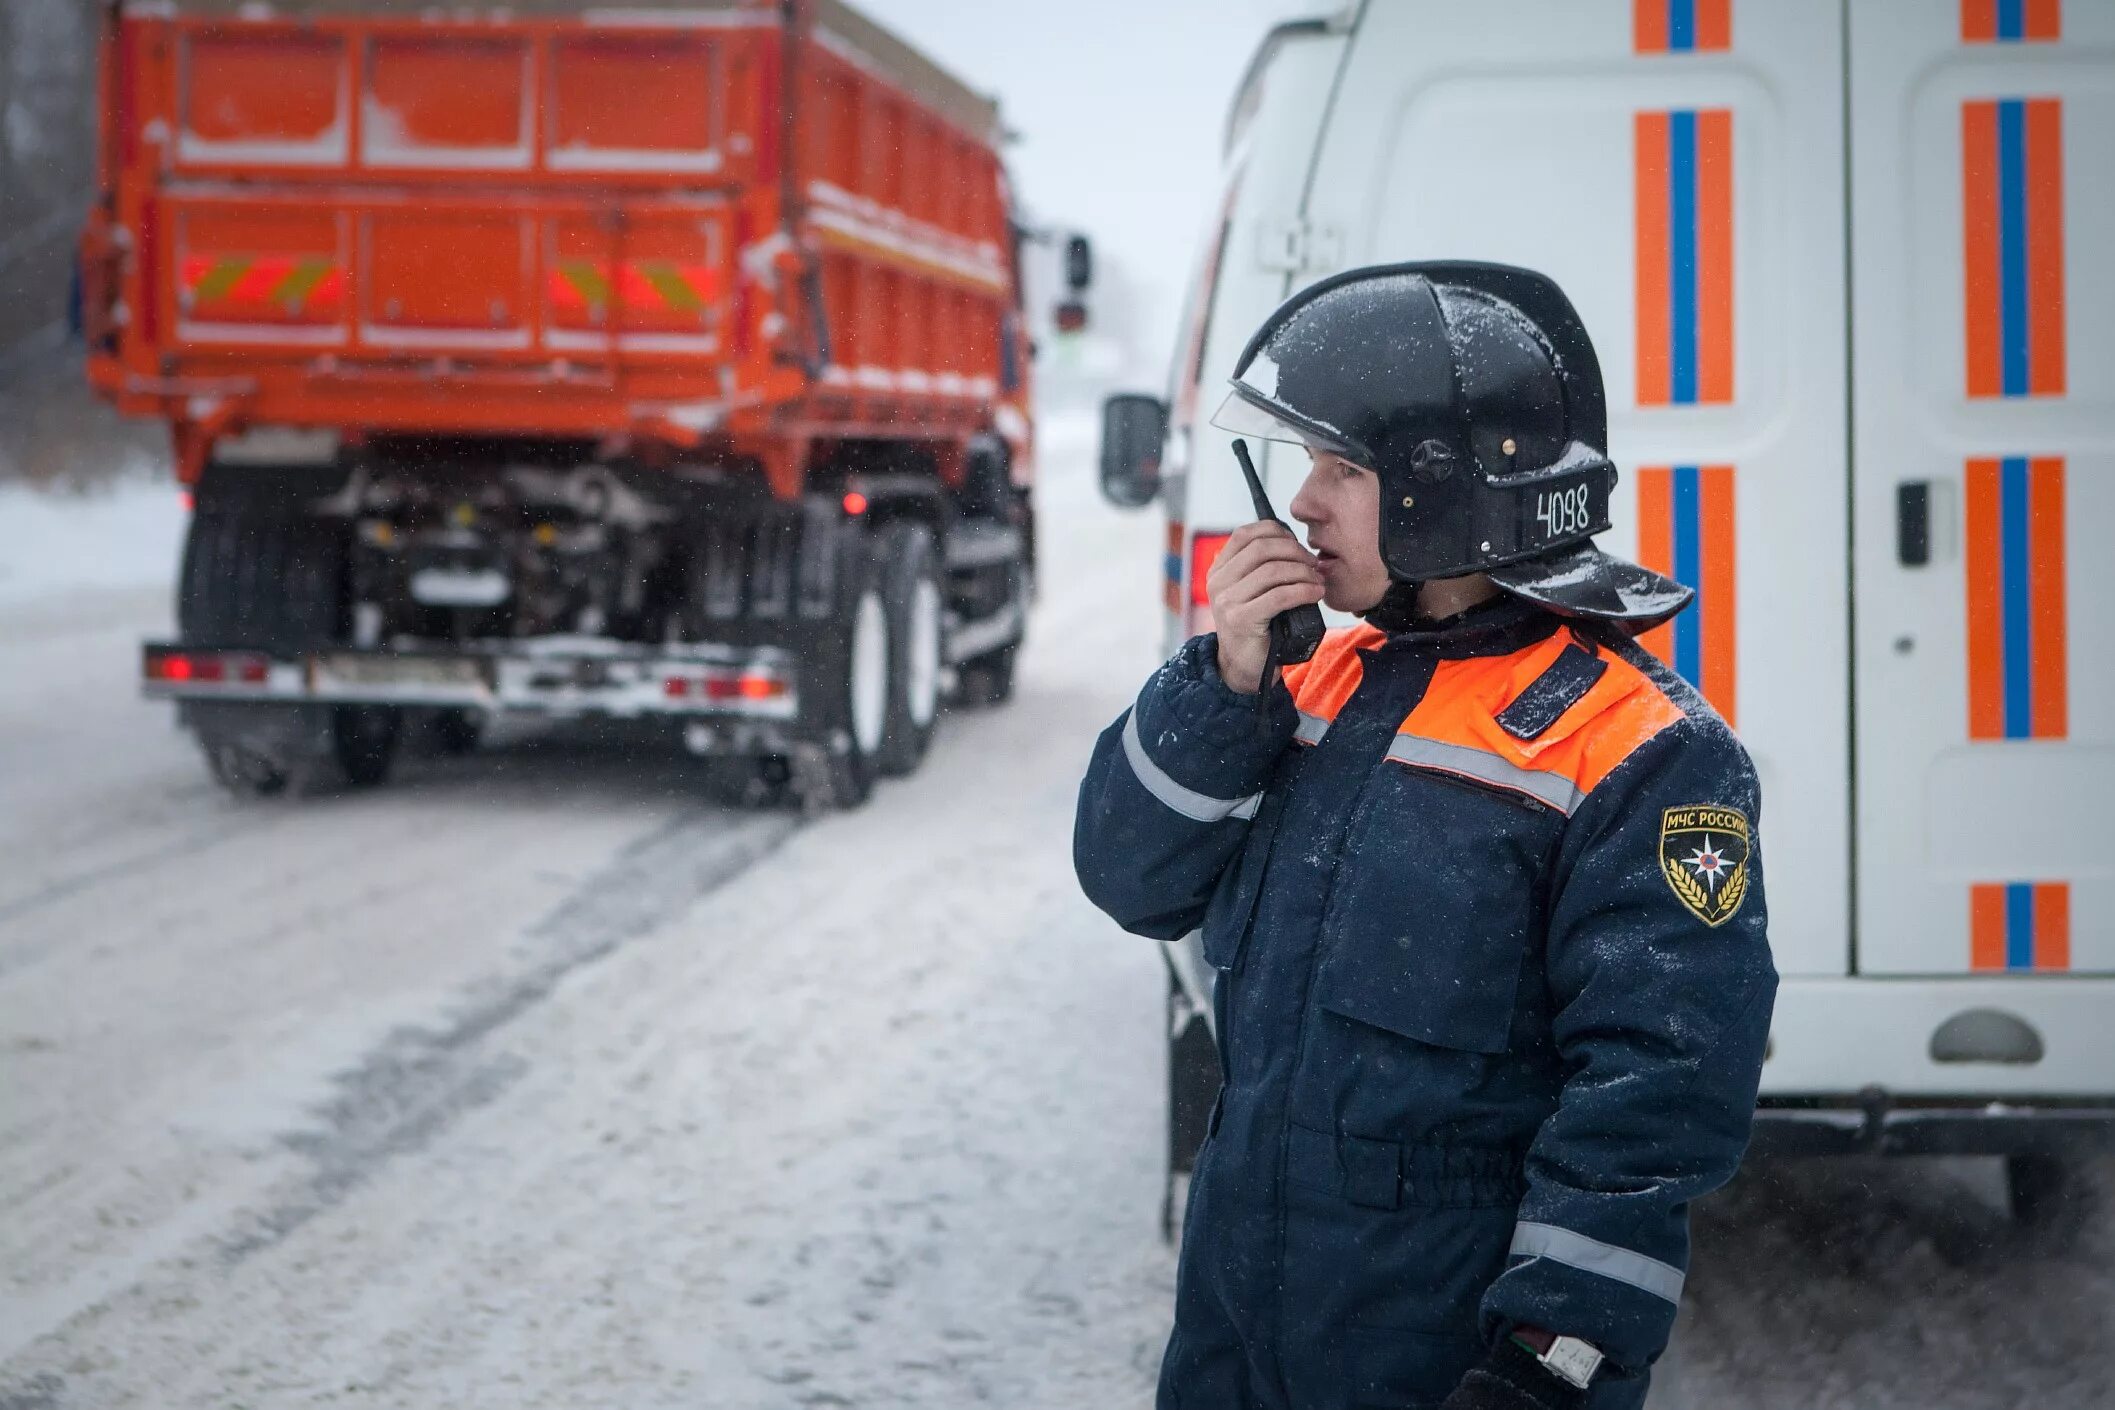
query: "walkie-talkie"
1297, 631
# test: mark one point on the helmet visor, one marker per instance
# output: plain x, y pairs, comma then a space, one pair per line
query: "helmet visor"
1247, 413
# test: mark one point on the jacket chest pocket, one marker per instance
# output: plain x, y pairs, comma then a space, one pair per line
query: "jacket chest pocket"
1436, 910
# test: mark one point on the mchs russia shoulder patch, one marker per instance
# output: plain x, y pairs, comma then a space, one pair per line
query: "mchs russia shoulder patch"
1704, 856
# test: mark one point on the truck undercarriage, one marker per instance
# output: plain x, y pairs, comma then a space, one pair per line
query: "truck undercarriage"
807, 645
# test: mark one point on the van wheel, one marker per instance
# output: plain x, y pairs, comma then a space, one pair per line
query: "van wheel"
2040, 1188
1193, 1088
909, 570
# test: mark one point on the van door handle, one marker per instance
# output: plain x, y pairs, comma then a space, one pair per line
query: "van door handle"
1913, 523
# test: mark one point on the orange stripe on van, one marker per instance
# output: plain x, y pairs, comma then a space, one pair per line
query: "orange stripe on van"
1716, 594
1986, 926
2045, 246
2048, 667
1714, 24
1656, 544
1714, 253
1984, 558
1979, 253
2052, 925
2043, 20
1648, 26
1978, 21
1655, 318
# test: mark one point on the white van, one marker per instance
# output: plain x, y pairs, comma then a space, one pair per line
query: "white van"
1843, 262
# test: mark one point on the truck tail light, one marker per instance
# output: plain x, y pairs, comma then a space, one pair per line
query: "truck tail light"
1204, 552
206, 668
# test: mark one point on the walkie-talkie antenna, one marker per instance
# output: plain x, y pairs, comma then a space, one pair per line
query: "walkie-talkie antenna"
1255, 483
1296, 632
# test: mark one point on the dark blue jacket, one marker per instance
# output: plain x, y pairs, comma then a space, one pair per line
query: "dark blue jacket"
1486, 910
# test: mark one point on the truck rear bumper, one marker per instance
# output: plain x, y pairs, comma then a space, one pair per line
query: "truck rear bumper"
550, 676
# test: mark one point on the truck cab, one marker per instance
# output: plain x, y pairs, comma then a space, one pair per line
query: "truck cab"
1861, 387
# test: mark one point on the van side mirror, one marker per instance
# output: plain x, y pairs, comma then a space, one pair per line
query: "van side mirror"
1134, 427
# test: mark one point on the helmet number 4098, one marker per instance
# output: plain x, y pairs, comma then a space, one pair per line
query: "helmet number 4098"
1563, 511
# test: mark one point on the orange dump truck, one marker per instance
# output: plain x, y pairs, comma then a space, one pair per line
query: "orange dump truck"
660, 360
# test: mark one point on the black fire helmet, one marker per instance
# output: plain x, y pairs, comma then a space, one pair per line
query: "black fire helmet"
1473, 391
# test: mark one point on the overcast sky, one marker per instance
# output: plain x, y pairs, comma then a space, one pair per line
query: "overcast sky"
1119, 105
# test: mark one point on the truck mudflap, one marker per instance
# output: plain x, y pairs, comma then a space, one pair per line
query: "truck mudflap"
553, 676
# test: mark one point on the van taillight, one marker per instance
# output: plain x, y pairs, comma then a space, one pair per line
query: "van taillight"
1204, 551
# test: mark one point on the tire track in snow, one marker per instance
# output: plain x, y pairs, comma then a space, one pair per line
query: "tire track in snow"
420, 1080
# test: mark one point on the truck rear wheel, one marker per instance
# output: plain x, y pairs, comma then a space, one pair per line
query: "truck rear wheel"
364, 742
244, 772
988, 680
851, 690
909, 562
274, 580
457, 733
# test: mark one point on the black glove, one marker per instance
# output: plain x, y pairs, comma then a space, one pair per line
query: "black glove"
1510, 1378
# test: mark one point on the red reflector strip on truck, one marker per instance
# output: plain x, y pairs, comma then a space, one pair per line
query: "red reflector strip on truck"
722, 688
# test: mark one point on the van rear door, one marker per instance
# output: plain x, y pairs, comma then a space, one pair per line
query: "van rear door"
1983, 182
1678, 166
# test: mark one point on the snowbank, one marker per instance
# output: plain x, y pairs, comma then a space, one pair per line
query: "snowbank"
54, 544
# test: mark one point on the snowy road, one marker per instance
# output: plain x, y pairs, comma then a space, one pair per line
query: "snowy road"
533, 1081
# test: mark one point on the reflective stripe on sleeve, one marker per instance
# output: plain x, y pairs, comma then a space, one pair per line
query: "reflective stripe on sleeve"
1311, 730
1189, 802
1662, 1280
1418, 752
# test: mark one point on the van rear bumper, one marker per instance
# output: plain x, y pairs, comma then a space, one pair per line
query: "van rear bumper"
1876, 1125
1985, 1064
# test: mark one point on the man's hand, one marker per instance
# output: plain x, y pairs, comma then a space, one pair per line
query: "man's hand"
1261, 572
1510, 1378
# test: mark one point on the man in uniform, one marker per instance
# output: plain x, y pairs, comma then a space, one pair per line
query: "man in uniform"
1480, 882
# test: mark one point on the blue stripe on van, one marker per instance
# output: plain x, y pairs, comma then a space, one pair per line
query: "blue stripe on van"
1681, 274
1688, 531
2015, 611
2019, 925
1681, 25
2012, 243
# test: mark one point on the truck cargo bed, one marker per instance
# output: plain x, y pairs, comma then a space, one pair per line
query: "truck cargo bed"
736, 225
